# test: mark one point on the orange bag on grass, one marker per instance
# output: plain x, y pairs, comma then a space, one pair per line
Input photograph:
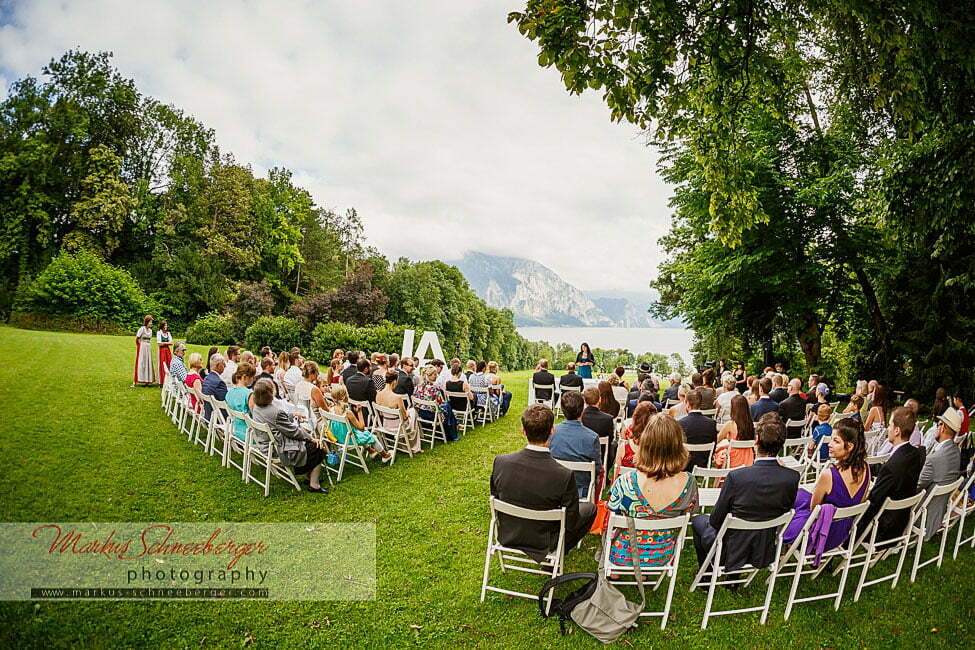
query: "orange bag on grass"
602, 518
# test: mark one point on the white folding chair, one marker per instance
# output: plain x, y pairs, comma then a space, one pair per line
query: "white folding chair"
799, 560
878, 460
217, 429
233, 444
484, 405
921, 521
365, 408
512, 558
390, 427
962, 507
738, 444
616, 525
711, 413
709, 477
562, 391
797, 424
430, 430
310, 410
588, 467
671, 402
349, 451
712, 573
868, 551
166, 386
549, 401
268, 459
704, 446
198, 422
465, 416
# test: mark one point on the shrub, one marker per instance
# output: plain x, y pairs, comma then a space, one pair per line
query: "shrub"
85, 324
211, 329
85, 286
384, 337
253, 301
279, 332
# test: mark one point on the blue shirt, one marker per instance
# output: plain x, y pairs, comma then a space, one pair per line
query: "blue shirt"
575, 442
213, 386
763, 405
823, 430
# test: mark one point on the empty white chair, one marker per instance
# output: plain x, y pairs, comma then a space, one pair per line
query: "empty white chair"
516, 560
712, 573
588, 467
920, 524
349, 450
662, 572
868, 550
259, 435
799, 560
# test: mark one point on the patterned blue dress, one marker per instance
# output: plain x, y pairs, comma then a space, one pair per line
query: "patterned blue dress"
655, 547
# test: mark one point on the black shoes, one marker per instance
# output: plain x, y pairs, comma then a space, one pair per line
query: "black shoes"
318, 490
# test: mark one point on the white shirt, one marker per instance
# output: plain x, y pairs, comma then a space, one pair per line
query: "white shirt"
443, 378
228, 373
292, 376
538, 448
164, 337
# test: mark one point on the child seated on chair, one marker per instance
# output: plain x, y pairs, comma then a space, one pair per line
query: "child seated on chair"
341, 430
822, 431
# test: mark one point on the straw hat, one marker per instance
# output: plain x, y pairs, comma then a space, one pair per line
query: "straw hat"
952, 418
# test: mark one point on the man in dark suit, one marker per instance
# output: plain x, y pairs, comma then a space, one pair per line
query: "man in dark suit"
707, 393
897, 478
698, 429
404, 383
602, 423
763, 491
793, 407
570, 378
671, 391
360, 385
531, 478
778, 392
351, 369
764, 404
543, 378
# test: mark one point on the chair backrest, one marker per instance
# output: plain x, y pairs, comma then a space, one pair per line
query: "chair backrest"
309, 411
618, 522
704, 446
711, 413
389, 419
706, 475
671, 402
458, 396
579, 466
217, 412
570, 389
802, 444
941, 490
742, 444
734, 523
795, 423
236, 415
511, 510
259, 428
878, 460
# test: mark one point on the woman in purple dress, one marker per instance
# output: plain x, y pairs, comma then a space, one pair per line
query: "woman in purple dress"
843, 483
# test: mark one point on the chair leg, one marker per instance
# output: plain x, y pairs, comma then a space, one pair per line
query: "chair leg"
487, 560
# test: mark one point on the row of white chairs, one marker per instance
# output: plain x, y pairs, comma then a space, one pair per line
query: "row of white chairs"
862, 552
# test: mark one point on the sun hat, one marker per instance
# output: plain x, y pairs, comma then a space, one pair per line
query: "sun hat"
952, 418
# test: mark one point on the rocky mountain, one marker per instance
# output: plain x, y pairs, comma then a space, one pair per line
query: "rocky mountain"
538, 296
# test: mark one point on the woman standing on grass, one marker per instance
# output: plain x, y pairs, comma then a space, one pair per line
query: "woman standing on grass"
585, 361
144, 372
164, 339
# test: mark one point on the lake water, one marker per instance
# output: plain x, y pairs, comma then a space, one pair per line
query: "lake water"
660, 340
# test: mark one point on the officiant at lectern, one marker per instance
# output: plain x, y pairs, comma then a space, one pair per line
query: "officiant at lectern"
585, 362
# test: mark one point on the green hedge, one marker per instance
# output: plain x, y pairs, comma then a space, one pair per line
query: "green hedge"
385, 337
82, 324
211, 329
83, 286
279, 332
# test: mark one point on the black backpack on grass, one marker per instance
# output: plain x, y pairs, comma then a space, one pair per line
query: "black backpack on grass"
562, 607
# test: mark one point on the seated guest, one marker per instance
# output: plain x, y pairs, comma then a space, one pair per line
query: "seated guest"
670, 393
607, 400
793, 407
430, 391
493, 376
707, 393
471, 367
334, 373
214, 385
778, 392
573, 441
293, 374
442, 373
842, 484
603, 424
296, 447
739, 427
822, 433
620, 371
230, 366
941, 466
679, 410
353, 365
570, 378
390, 398
307, 389
543, 377
267, 372
854, 406
624, 456
633, 396
619, 388
897, 478
360, 385
239, 396
193, 381
764, 491
532, 479
480, 380
659, 489
723, 400
267, 353
356, 425
176, 367
212, 351
877, 416
698, 429
248, 357
751, 392
764, 404
404, 383
457, 384
284, 363
379, 372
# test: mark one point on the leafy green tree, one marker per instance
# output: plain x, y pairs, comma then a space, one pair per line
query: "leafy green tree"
106, 204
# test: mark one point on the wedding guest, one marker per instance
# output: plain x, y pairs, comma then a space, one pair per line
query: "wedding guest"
284, 364
738, 427
794, 407
296, 447
659, 489
404, 383
213, 383
334, 374
457, 384
877, 416
267, 372
741, 378
352, 366
764, 404
164, 340
822, 433
778, 392
390, 398
543, 377
212, 351
293, 374
307, 389
723, 400
356, 425
193, 381
708, 394
494, 378
570, 378
573, 441
585, 361
230, 365
177, 368
430, 391
698, 429
607, 400
239, 396
145, 373
631, 436
941, 467
360, 385
841, 484
898, 477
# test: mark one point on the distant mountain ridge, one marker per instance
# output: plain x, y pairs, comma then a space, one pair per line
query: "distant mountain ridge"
539, 297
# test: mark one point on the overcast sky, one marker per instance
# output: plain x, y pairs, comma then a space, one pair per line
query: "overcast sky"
432, 119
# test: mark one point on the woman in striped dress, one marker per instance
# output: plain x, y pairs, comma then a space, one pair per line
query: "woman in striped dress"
658, 489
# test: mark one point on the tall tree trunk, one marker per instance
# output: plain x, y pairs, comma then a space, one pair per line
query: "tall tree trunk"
811, 343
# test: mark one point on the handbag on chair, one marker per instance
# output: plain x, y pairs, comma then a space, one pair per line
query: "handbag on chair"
598, 607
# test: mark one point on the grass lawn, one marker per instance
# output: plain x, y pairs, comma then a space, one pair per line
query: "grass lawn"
80, 445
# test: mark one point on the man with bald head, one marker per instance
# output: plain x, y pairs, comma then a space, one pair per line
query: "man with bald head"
793, 407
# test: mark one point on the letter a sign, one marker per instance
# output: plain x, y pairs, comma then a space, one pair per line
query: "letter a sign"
429, 341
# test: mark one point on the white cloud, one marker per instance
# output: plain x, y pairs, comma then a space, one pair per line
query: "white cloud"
432, 119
